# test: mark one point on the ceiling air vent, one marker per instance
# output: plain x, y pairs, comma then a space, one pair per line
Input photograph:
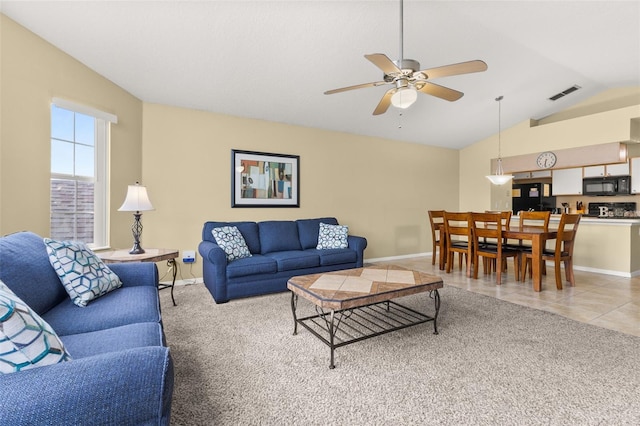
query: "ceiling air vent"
564, 92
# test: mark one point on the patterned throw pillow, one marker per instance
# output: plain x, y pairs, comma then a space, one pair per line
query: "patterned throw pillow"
85, 277
332, 236
26, 340
232, 242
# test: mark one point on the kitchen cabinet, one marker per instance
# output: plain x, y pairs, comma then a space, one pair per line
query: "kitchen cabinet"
635, 177
621, 169
522, 175
541, 174
594, 171
567, 181
532, 175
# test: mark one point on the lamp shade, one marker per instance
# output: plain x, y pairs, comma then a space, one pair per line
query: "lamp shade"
137, 200
404, 97
499, 179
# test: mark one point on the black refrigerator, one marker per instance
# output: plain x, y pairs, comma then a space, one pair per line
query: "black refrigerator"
532, 196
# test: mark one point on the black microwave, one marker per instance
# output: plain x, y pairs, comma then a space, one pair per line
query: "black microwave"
609, 185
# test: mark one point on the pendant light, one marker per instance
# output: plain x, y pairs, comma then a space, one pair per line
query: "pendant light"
499, 178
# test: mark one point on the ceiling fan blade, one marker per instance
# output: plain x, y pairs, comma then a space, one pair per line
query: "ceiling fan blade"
357, 86
384, 103
441, 92
381, 61
455, 69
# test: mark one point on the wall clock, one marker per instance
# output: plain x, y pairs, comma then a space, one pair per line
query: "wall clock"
546, 160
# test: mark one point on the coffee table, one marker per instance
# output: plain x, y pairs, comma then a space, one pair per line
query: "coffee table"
355, 304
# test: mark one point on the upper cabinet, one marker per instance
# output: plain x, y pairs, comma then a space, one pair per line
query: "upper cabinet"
567, 181
635, 178
621, 169
594, 171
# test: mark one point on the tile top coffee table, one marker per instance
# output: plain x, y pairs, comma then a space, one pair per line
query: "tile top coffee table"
355, 304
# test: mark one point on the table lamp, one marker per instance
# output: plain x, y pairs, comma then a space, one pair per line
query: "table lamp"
136, 201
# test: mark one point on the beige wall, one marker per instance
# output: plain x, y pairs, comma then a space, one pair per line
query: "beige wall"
381, 189
32, 72
590, 123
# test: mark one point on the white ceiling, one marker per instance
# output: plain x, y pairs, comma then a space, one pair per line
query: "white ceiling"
273, 60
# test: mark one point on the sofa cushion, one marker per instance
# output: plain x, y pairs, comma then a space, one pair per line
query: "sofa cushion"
249, 231
308, 230
336, 256
253, 265
297, 259
26, 340
231, 241
127, 305
278, 235
114, 339
332, 237
83, 274
25, 268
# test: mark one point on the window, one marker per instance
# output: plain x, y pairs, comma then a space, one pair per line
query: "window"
79, 173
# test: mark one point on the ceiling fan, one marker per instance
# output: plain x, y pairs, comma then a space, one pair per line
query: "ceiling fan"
407, 80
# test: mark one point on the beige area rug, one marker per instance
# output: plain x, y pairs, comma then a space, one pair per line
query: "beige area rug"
492, 363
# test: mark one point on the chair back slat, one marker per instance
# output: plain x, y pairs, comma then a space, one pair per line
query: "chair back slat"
535, 219
486, 225
457, 224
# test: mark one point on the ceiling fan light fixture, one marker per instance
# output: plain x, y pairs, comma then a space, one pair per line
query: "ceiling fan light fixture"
404, 97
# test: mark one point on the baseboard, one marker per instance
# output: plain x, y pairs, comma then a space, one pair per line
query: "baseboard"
607, 271
404, 256
185, 282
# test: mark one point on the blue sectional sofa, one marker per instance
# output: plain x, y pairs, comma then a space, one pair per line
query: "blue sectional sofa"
279, 250
120, 372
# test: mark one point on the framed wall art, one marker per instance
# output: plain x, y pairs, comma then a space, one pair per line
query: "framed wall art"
262, 179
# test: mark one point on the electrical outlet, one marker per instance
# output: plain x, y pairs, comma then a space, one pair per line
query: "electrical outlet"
188, 256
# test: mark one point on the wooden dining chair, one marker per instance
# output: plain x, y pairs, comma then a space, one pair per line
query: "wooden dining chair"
457, 231
490, 226
436, 219
505, 216
563, 251
530, 220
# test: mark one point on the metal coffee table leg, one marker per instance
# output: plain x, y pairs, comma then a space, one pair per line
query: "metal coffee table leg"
294, 305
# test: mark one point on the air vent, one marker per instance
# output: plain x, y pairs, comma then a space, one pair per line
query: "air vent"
564, 92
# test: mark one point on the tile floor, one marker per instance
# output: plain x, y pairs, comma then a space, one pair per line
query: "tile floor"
602, 300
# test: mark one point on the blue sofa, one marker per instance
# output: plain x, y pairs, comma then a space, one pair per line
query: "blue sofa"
120, 372
280, 250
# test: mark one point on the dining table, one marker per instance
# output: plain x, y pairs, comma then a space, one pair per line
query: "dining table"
536, 235
538, 238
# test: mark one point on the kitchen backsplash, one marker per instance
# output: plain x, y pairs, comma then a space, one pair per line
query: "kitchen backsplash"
572, 200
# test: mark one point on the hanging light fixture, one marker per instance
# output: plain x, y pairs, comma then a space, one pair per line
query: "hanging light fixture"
499, 178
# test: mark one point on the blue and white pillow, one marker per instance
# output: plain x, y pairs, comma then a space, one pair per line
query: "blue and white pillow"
26, 340
332, 237
232, 242
84, 276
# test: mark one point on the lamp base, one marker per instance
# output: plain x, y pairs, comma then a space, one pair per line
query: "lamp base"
136, 249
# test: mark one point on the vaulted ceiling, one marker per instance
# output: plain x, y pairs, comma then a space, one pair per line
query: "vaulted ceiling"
273, 60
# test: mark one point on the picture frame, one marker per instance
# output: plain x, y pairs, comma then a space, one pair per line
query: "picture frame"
263, 179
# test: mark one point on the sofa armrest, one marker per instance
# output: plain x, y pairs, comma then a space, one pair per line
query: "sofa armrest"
358, 244
213, 253
136, 273
119, 388
214, 270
